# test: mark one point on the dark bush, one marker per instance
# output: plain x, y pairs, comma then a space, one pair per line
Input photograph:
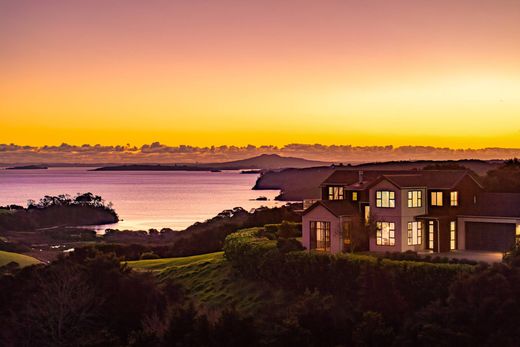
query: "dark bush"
408, 284
148, 255
289, 245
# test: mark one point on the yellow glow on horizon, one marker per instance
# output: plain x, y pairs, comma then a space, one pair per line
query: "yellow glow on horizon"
400, 73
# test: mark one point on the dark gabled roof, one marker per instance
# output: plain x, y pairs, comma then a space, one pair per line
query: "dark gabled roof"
495, 205
431, 179
336, 207
348, 177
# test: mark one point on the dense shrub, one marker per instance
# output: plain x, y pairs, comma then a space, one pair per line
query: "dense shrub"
289, 245
285, 229
148, 255
414, 256
408, 284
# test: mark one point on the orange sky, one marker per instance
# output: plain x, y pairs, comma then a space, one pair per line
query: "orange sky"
419, 72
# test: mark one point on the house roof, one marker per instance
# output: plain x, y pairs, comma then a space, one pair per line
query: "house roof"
336, 207
495, 205
350, 177
431, 179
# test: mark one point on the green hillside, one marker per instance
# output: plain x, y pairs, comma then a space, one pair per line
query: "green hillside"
22, 260
212, 283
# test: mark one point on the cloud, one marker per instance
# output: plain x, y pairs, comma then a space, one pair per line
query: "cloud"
160, 153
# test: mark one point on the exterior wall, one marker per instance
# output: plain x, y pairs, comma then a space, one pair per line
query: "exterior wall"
461, 226
467, 189
408, 214
400, 215
321, 214
378, 214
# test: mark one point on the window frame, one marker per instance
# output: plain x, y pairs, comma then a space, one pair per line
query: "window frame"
415, 240
379, 233
385, 197
418, 198
322, 245
454, 198
431, 234
336, 193
453, 235
436, 202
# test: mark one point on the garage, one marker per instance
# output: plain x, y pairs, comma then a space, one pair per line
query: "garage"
489, 236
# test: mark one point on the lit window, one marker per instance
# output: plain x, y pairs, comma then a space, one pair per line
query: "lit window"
354, 196
431, 234
385, 234
454, 198
453, 235
367, 215
385, 199
336, 193
436, 198
414, 233
320, 235
415, 198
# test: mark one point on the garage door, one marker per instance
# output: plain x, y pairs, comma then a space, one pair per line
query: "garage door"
489, 236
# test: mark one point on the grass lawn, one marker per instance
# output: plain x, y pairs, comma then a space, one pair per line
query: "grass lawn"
22, 260
212, 283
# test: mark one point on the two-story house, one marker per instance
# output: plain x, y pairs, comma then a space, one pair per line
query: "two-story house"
437, 210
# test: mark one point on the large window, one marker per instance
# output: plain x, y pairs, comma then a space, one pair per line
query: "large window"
336, 193
453, 235
436, 198
415, 198
454, 198
385, 199
431, 234
320, 235
414, 233
385, 233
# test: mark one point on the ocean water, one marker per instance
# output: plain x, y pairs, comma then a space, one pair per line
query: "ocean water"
143, 199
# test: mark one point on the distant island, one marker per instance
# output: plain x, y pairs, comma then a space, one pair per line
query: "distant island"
28, 167
158, 167
261, 162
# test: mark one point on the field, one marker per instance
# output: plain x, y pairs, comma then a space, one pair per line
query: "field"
22, 260
211, 282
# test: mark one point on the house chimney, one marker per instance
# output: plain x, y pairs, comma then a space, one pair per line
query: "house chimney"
360, 172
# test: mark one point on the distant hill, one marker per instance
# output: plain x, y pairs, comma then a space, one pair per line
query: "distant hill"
299, 184
267, 161
261, 162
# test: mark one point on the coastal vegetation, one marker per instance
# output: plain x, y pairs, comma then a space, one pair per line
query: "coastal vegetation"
261, 292
199, 238
61, 210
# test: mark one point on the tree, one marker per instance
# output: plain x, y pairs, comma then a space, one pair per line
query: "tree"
505, 179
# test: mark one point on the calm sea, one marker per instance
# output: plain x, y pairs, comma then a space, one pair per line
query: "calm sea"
145, 199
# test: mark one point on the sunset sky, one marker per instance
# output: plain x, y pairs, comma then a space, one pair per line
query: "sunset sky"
363, 72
